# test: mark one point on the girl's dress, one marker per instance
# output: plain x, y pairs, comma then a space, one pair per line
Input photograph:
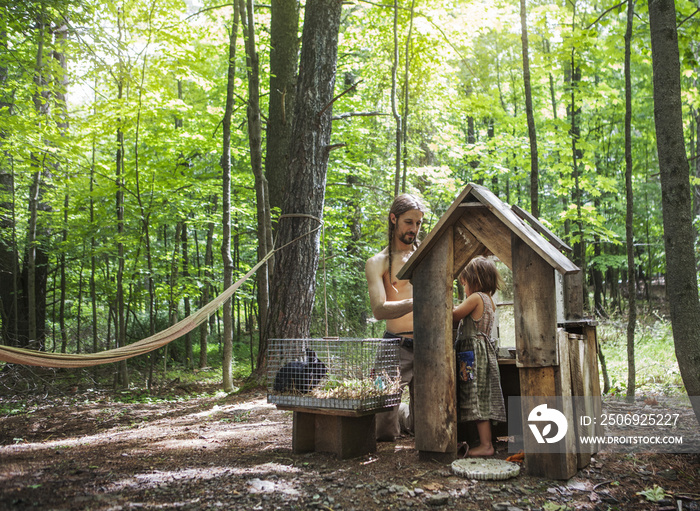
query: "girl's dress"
479, 393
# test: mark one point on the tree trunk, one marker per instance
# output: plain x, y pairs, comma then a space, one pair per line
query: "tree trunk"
226, 202
189, 352
264, 226
629, 220
293, 295
120, 334
284, 51
62, 271
394, 106
407, 62
208, 263
531, 130
681, 277
9, 258
37, 262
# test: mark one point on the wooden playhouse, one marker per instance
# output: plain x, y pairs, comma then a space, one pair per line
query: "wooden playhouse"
555, 347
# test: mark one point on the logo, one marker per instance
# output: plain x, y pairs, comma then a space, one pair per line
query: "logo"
542, 414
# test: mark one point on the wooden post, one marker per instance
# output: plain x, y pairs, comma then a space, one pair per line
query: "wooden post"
434, 365
538, 350
535, 308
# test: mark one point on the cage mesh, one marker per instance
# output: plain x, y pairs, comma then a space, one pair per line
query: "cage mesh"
335, 373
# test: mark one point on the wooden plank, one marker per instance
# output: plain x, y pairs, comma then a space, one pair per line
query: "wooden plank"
524, 231
332, 411
551, 382
535, 307
346, 437
573, 296
303, 432
576, 347
490, 231
466, 247
434, 365
536, 382
558, 243
568, 463
591, 377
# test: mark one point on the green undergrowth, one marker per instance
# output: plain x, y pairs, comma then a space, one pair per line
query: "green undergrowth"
656, 365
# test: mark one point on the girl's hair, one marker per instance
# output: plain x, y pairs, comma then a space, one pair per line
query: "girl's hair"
482, 275
402, 204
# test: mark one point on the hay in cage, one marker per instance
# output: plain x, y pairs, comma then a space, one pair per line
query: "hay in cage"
334, 373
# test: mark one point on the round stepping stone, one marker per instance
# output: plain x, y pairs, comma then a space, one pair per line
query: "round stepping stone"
485, 468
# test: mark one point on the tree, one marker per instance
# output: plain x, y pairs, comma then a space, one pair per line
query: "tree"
264, 224
284, 49
531, 129
629, 221
681, 277
295, 268
226, 194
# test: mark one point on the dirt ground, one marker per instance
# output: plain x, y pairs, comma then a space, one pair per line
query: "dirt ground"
81, 449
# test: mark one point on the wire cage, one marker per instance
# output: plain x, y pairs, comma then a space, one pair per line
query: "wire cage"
334, 373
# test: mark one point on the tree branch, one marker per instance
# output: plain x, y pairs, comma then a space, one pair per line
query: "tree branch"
348, 115
606, 12
353, 86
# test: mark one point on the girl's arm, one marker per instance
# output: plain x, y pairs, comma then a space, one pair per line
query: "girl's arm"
465, 308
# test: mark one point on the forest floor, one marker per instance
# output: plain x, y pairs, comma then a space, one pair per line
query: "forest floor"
81, 449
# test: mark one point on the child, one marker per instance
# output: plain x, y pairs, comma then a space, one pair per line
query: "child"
478, 380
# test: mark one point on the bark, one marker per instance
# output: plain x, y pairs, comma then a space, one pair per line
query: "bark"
394, 106
629, 220
189, 352
264, 226
577, 193
531, 130
226, 203
37, 261
293, 293
284, 52
62, 124
681, 278
407, 61
206, 293
9, 263
9, 258
120, 334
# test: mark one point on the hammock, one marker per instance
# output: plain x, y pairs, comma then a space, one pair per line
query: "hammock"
44, 359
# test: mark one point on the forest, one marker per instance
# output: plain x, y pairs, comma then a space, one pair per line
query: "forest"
153, 152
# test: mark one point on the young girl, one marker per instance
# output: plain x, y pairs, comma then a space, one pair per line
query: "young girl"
478, 380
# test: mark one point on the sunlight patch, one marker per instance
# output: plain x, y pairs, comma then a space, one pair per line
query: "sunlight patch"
263, 486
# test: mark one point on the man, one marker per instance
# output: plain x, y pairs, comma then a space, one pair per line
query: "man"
392, 299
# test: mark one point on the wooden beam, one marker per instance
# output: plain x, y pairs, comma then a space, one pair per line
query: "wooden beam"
535, 307
434, 358
466, 247
490, 231
536, 384
524, 231
558, 243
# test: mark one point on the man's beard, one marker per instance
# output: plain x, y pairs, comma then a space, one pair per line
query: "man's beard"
407, 238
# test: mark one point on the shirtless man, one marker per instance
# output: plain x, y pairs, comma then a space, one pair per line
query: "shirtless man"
392, 299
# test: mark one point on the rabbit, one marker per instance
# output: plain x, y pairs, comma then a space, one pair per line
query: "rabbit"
300, 376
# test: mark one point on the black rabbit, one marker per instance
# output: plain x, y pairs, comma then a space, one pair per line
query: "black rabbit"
300, 376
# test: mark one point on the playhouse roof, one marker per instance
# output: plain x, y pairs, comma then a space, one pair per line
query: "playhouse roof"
482, 222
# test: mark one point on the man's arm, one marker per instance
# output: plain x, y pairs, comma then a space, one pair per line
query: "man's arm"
381, 307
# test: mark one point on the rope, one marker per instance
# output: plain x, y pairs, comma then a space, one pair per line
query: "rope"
67, 360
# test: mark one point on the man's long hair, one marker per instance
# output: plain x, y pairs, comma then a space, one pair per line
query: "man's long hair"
402, 204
